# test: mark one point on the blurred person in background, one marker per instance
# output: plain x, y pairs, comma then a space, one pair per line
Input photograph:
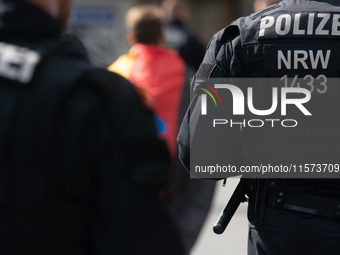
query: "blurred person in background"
156, 71
160, 74
178, 36
187, 199
81, 162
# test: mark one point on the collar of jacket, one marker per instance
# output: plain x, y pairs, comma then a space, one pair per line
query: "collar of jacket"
20, 19
332, 2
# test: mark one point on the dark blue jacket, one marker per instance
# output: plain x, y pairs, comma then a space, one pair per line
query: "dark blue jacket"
290, 39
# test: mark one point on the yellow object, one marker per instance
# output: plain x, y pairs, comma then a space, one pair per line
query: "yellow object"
123, 65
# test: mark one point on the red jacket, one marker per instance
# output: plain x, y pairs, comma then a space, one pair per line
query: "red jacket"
160, 73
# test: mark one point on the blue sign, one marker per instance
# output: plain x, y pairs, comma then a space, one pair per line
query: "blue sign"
88, 16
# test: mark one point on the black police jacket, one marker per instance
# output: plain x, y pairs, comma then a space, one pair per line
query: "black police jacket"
186, 43
292, 39
81, 164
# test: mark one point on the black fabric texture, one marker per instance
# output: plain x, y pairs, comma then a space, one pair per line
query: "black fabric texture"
81, 164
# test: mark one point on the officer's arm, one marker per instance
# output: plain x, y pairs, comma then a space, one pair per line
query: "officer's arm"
200, 143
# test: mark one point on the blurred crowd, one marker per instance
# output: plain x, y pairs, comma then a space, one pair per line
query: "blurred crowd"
164, 55
89, 158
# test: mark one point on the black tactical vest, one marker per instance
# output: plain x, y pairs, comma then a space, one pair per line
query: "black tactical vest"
298, 43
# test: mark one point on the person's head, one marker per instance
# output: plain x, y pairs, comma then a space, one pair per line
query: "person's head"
144, 24
176, 9
58, 9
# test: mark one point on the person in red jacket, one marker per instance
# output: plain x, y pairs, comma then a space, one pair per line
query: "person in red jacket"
160, 74
157, 71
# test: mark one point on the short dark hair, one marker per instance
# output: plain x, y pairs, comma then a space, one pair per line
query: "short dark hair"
145, 22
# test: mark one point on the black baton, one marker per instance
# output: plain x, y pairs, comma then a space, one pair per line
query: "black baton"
231, 207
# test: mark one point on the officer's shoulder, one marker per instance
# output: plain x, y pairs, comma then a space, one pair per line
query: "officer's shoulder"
116, 88
66, 72
74, 72
109, 84
226, 32
235, 28
222, 36
254, 18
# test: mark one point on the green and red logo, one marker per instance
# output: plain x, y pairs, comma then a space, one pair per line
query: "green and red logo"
204, 97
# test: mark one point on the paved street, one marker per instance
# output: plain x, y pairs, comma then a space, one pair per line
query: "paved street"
234, 240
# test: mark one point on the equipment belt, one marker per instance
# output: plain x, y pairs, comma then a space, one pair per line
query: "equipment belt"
304, 203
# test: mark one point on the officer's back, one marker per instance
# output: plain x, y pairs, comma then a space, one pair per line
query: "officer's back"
295, 42
78, 149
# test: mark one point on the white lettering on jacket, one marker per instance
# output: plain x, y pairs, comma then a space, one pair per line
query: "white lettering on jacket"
17, 63
311, 24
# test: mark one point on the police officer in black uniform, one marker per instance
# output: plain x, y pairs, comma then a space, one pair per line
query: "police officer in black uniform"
293, 39
81, 162
178, 37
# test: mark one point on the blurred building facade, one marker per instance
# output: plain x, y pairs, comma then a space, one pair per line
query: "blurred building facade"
100, 24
